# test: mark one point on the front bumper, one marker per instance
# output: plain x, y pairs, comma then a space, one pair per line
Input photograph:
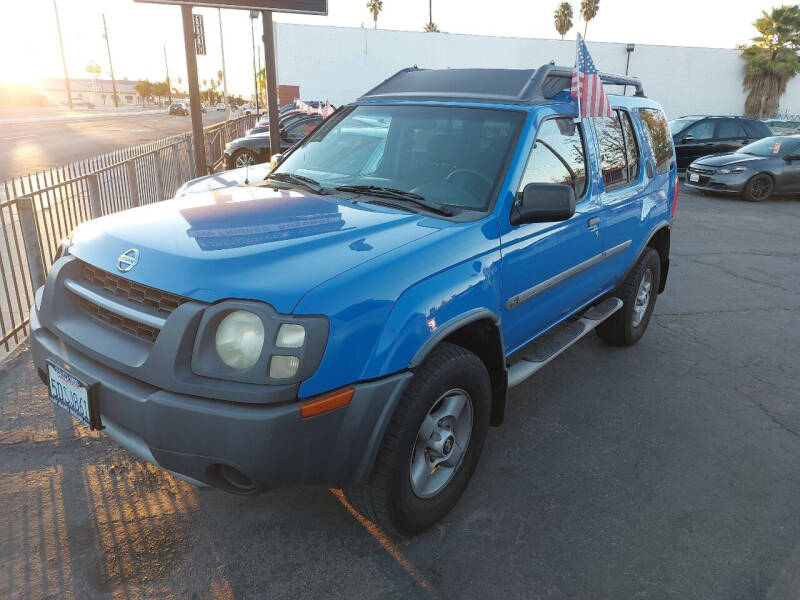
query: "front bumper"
726, 183
194, 437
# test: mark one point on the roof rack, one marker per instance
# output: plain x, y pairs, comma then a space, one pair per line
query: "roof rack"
517, 86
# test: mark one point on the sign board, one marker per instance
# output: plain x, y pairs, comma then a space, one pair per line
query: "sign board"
307, 7
199, 35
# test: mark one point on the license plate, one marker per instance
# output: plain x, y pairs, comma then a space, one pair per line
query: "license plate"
694, 177
71, 394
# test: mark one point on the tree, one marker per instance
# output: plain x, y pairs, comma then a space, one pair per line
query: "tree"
144, 88
772, 60
430, 26
563, 18
589, 10
375, 7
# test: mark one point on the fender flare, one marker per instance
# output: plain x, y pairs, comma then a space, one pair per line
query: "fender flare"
472, 315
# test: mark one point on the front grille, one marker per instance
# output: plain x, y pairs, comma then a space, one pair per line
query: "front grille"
134, 328
162, 302
702, 170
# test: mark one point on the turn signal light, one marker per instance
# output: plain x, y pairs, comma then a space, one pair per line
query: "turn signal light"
326, 403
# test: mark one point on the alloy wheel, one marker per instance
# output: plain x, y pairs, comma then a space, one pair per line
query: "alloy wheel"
642, 298
245, 159
441, 443
760, 187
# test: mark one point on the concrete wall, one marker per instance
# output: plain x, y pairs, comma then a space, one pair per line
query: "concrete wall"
339, 64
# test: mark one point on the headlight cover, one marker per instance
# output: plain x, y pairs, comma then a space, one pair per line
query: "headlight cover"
727, 170
248, 341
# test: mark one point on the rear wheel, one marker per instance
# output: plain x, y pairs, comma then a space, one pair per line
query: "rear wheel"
759, 187
638, 294
431, 446
244, 158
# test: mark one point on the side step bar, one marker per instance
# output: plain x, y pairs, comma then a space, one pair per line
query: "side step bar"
546, 347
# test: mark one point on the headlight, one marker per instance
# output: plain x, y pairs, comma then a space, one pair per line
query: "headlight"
240, 339
249, 342
732, 170
63, 248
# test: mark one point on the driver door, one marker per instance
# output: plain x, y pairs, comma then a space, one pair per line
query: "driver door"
550, 270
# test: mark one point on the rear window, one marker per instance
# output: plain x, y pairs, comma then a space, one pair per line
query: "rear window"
658, 137
756, 129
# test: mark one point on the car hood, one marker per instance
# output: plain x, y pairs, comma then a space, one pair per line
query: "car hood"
250, 242
224, 179
729, 158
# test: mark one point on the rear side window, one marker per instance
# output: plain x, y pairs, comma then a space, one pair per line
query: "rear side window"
730, 128
704, 130
619, 152
557, 156
756, 129
658, 136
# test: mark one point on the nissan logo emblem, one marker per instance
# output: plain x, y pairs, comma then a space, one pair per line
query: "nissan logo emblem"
127, 260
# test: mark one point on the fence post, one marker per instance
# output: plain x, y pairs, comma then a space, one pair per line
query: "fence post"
190, 156
159, 174
30, 239
95, 202
133, 181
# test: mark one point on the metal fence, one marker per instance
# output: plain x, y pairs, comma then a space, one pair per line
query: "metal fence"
39, 210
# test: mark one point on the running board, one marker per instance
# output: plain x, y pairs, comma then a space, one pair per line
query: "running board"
546, 347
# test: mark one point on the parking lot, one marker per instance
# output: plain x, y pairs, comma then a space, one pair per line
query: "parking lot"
665, 470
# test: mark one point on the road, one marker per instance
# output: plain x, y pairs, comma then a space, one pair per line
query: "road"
34, 143
666, 470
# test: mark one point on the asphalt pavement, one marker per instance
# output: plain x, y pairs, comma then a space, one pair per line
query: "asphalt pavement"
30, 143
665, 470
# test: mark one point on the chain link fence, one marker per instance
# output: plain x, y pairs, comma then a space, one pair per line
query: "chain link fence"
38, 210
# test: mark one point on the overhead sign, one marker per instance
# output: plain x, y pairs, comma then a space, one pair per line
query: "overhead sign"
199, 35
307, 7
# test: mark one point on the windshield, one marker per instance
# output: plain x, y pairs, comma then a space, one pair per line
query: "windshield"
444, 154
678, 125
769, 146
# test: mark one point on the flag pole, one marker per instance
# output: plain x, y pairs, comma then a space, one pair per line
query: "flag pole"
578, 85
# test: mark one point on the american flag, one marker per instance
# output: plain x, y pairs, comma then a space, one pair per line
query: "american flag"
327, 111
586, 85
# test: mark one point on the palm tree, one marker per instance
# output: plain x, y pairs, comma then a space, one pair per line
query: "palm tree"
563, 18
589, 10
430, 26
375, 7
772, 60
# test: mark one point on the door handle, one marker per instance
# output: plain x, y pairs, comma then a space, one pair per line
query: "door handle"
593, 222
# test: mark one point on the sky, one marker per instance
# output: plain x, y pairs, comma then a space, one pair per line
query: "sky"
138, 32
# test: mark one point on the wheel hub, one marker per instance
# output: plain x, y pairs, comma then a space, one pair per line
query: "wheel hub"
441, 443
642, 298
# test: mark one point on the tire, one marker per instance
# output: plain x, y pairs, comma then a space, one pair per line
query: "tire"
628, 324
388, 497
243, 158
759, 188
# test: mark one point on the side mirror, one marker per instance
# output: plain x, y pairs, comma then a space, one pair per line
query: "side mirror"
687, 138
276, 159
543, 203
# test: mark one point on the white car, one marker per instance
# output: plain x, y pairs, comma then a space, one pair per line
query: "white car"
220, 106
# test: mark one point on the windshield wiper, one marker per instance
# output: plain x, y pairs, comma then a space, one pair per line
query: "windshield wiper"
401, 195
301, 180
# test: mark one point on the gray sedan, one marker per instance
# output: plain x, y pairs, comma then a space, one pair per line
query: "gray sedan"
756, 171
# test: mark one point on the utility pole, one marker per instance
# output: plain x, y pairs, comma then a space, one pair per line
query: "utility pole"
110, 64
271, 73
166, 66
63, 58
198, 138
224, 72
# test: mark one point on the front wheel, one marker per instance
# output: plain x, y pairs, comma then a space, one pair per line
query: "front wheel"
244, 158
431, 445
759, 187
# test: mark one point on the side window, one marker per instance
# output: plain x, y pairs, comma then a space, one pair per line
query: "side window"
729, 128
658, 136
756, 129
704, 130
297, 132
558, 156
612, 150
631, 146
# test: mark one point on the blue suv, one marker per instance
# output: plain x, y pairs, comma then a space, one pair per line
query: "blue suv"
357, 318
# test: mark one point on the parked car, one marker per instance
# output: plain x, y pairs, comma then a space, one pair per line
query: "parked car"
220, 106
264, 119
179, 108
696, 136
757, 171
285, 121
357, 319
253, 149
781, 127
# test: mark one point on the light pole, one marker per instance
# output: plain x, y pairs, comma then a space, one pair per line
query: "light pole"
166, 66
110, 64
253, 17
63, 58
224, 72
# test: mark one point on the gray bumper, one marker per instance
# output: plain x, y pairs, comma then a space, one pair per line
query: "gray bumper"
194, 437
732, 183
